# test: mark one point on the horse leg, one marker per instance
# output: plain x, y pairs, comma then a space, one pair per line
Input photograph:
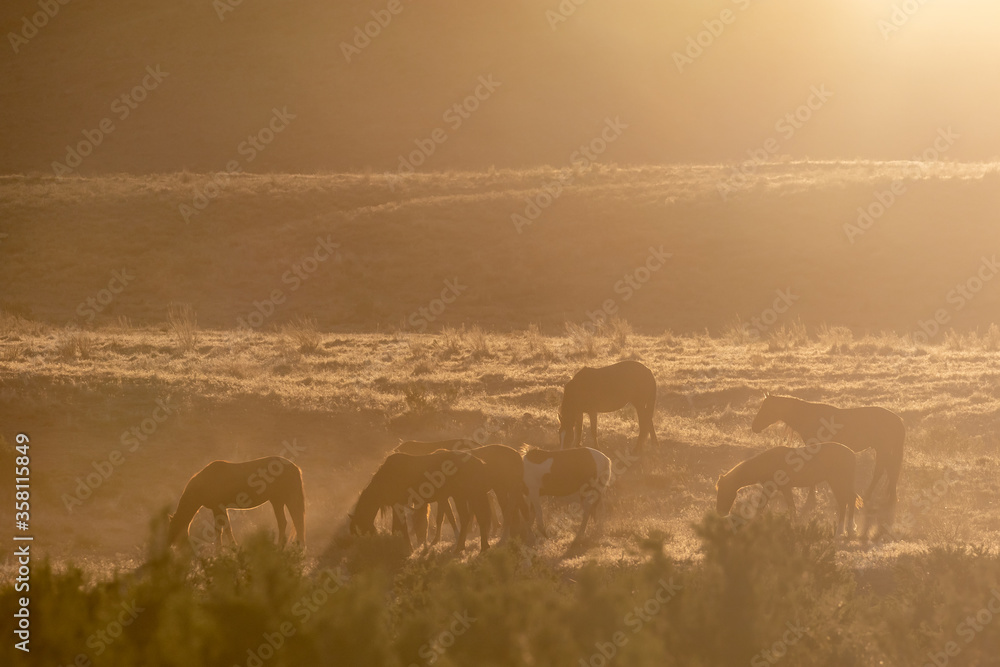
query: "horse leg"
464, 517
786, 491
483, 508
877, 475
587, 512
222, 526
810, 501
536, 505
593, 427
279, 514
578, 432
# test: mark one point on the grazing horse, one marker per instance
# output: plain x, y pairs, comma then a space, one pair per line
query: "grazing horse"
221, 486
404, 480
594, 390
781, 469
421, 448
857, 428
582, 471
505, 470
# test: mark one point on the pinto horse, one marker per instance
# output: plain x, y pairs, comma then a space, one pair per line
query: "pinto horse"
221, 486
781, 469
582, 471
594, 390
405, 480
857, 428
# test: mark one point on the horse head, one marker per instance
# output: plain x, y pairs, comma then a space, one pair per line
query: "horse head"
766, 415
356, 528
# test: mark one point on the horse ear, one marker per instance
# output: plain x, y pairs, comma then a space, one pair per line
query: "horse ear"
767, 394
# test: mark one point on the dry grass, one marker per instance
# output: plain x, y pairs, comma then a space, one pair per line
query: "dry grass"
302, 332
247, 391
183, 323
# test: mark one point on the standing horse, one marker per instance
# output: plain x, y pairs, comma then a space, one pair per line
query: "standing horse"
594, 390
781, 469
404, 480
221, 486
582, 471
858, 428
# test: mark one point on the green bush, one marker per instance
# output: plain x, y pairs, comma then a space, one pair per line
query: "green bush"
370, 605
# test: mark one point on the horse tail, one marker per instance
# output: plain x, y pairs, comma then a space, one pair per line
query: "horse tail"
894, 463
297, 507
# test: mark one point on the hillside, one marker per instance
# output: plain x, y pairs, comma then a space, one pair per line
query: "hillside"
509, 248
223, 72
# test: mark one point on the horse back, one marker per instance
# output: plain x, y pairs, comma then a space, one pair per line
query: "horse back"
611, 387
560, 472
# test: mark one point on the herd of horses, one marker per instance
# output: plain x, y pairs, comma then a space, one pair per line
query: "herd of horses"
419, 476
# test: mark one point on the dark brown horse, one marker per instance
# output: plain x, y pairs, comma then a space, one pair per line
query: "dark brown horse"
221, 486
505, 472
420, 448
405, 481
594, 390
857, 428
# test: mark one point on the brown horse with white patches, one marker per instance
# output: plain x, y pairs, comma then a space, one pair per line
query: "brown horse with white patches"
404, 480
857, 428
607, 389
580, 471
222, 485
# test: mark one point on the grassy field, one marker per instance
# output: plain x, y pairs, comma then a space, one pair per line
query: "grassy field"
402, 242
337, 403
414, 309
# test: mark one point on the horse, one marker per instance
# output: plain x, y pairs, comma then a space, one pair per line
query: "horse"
421, 448
582, 471
857, 428
222, 485
505, 470
406, 480
781, 469
594, 390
